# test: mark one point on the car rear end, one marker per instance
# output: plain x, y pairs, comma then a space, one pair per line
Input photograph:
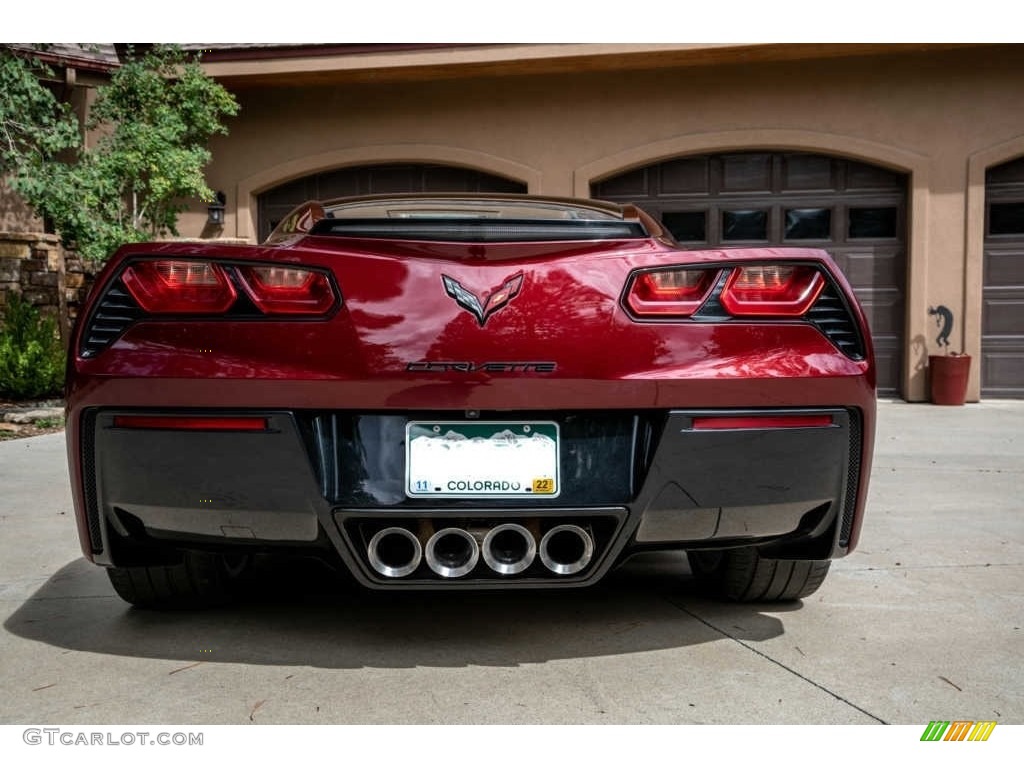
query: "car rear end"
458, 402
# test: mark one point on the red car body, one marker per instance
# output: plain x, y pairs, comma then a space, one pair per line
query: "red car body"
695, 408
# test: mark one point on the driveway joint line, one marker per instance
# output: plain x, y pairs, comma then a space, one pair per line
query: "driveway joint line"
776, 662
929, 567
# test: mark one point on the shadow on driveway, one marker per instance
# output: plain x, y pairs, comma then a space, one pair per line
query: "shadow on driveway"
301, 615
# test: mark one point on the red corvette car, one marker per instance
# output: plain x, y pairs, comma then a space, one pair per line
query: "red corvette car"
444, 392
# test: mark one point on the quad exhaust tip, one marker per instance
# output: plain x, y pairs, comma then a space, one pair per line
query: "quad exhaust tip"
452, 552
509, 549
394, 552
566, 549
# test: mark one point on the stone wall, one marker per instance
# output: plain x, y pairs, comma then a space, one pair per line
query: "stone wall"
36, 266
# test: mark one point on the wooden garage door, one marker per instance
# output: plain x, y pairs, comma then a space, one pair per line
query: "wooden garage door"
855, 211
276, 203
1002, 317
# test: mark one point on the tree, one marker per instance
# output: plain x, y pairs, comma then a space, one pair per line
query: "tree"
152, 121
35, 128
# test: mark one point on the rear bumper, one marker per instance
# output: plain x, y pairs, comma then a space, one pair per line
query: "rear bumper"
634, 480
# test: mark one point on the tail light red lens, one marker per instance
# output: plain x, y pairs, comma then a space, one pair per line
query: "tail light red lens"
778, 290
194, 423
180, 287
288, 290
796, 421
673, 292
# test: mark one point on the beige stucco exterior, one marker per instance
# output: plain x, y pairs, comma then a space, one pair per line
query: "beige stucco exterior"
942, 115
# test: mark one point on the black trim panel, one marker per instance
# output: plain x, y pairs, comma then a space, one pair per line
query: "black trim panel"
724, 487
643, 480
234, 485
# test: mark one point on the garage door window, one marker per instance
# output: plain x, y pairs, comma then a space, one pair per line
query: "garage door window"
744, 225
687, 226
808, 224
872, 223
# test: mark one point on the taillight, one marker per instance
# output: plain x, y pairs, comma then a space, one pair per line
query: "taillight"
180, 287
675, 292
287, 290
779, 290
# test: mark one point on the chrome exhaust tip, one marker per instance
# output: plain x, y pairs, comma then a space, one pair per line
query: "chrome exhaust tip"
566, 549
394, 552
509, 549
452, 552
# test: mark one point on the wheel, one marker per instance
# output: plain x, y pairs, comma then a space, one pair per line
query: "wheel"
199, 580
742, 575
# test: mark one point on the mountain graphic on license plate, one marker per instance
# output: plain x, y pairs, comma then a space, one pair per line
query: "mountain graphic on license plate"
459, 459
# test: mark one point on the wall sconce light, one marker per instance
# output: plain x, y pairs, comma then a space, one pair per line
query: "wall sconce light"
215, 211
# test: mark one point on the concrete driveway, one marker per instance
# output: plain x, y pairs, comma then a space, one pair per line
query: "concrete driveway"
925, 621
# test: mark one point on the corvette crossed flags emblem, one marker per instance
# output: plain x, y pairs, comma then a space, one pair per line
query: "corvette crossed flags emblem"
482, 310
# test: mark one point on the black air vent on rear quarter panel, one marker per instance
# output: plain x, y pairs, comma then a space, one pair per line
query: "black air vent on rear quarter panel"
89, 495
481, 230
833, 318
852, 480
113, 314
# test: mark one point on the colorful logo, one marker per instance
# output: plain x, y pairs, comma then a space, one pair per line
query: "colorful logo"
958, 730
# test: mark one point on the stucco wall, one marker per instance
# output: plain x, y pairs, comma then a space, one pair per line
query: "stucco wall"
935, 116
15, 216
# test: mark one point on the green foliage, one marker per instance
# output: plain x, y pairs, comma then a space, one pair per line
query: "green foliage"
153, 122
31, 355
34, 126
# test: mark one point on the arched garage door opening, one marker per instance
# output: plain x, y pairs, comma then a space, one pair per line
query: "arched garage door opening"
276, 203
1002, 315
855, 211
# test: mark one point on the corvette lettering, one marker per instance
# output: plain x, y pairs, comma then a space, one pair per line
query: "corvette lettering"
432, 366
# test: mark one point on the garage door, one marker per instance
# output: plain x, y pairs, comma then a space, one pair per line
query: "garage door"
1002, 318
276, 203
855, 211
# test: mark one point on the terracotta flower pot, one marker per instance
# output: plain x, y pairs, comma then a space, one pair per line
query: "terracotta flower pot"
948, 378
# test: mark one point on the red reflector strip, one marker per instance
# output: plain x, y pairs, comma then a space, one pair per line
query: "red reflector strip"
762, 422
197, 423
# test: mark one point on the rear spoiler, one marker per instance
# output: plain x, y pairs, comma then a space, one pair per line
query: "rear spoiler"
614, 222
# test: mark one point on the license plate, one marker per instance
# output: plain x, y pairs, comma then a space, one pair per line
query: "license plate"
493, 460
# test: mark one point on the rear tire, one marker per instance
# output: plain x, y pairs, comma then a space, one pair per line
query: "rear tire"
200, 580
743, 576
